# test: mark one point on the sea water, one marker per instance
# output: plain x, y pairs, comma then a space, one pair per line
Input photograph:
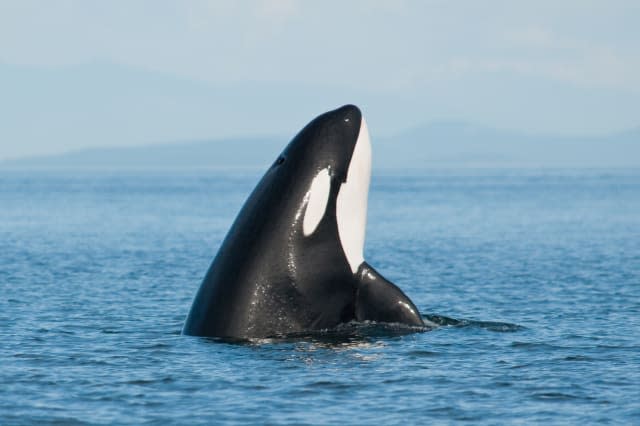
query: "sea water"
541, 268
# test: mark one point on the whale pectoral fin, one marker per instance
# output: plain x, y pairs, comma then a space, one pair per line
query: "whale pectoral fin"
378, 299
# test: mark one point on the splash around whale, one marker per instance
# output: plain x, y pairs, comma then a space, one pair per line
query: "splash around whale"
293, 260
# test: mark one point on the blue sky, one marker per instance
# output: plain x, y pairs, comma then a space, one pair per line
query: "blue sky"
219, 69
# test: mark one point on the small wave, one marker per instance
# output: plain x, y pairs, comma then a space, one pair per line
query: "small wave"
559, 396
577, 358
145, 382
354, 331
501, 327
421, 353
535, 345
329, 384
347, 333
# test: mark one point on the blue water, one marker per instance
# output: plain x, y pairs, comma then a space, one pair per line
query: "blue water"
97, 273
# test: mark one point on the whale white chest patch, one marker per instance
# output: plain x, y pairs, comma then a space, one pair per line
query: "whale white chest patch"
318, 197
351, 208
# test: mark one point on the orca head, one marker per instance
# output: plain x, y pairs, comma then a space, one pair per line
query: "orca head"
328, 164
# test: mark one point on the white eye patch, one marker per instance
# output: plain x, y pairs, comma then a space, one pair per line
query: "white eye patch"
318, 197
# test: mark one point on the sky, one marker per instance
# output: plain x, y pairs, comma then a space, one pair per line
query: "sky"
80, 74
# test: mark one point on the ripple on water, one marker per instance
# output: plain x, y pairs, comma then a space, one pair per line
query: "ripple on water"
536, 274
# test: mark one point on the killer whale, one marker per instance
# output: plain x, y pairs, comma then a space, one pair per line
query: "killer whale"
293, 259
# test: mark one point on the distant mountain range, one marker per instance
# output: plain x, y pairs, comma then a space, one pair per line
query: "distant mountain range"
442, 144
95, 105
457, 144
196, 155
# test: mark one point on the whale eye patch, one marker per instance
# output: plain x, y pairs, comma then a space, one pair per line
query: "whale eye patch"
317, 198
280, 160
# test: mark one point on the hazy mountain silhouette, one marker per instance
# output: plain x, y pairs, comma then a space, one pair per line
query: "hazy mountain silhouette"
441, 144
113, 106
459, 144
230, 153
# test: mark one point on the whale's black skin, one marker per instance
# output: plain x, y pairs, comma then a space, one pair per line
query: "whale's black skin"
268, 277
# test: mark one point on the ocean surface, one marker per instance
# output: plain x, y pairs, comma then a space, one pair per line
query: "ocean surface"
539, 268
